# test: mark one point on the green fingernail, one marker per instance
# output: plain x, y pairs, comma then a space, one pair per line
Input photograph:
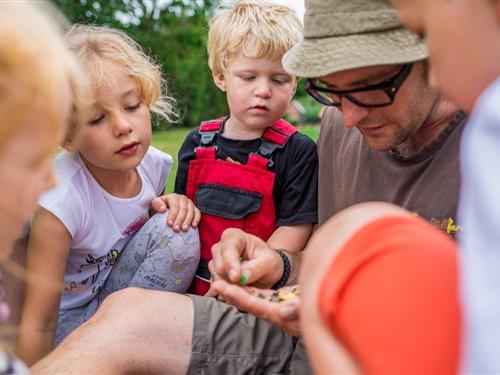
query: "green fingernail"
243, 279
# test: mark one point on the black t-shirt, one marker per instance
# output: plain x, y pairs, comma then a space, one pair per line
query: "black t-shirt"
295, 166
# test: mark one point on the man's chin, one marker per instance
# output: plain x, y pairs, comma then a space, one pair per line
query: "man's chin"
378, 144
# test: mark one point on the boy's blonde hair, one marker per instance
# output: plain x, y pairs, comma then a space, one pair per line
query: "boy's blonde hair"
94, 45
253, 28
35, 65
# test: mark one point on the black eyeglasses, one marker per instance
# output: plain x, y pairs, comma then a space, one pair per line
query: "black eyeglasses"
378, 95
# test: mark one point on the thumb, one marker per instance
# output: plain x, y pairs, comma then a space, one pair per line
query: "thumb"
158, 205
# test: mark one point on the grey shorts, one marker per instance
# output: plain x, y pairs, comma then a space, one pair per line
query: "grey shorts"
227, 341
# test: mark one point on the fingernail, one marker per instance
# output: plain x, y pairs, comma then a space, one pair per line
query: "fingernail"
243, 279
233, 274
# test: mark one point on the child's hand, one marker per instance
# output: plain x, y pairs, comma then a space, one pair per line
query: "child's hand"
182, 211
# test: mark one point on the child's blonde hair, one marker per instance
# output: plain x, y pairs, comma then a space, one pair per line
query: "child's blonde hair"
34, 67
94, 45
253, 28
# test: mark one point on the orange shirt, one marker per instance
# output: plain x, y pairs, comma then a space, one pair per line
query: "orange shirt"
390, 295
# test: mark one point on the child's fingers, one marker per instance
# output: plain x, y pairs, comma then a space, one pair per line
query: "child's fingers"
173, 211
197, 217
189, 216
158, 205
182, 213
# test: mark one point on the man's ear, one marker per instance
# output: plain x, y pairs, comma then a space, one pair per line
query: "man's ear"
220, 81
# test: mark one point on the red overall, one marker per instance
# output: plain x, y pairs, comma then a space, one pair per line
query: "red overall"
232, 195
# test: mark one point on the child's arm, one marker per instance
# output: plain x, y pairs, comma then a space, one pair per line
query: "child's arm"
291, 238
48, 250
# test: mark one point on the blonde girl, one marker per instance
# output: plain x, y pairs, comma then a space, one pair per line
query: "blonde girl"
36, 71
110, 178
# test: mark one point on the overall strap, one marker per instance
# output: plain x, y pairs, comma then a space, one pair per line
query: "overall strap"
208, 131
274, 137
279, 132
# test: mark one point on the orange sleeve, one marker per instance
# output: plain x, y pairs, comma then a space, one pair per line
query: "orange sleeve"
390, 295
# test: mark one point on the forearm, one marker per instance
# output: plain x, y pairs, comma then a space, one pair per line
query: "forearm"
39, 317
34, 343
290, 238
48, 250
327, 354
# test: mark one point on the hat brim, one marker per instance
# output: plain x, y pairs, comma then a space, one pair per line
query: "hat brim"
316, 57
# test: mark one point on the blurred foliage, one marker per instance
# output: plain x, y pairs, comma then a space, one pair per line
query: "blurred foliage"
312, 108
174, 33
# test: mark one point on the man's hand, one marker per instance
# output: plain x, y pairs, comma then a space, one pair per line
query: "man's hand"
264, 303
241, 258
182, 215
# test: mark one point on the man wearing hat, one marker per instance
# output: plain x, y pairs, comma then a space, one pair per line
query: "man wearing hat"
362, 63
372, 75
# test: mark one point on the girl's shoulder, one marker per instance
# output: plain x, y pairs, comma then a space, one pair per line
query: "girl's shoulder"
156, 160
72, 181
156, 156
155, 168
67, 164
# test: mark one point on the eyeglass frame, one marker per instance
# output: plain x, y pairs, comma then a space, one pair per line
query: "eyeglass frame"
390, 87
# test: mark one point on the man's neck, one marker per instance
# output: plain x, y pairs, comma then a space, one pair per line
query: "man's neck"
437, 120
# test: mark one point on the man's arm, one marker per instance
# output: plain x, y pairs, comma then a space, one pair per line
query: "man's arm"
239, 253
291, 240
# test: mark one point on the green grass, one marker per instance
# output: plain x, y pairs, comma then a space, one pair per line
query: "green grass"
171, 140
312, 131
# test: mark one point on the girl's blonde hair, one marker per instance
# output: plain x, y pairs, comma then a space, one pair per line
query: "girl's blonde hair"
94, 45
253, 28
34, 67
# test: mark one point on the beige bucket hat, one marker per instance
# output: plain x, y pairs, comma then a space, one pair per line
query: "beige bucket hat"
347, 34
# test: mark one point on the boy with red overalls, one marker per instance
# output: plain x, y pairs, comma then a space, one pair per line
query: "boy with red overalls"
251, 170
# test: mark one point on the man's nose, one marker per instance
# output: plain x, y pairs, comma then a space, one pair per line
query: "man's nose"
352, 114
